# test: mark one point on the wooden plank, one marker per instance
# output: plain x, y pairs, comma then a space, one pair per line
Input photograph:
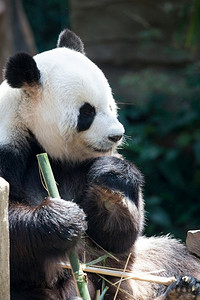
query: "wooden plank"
193, 242
4, 241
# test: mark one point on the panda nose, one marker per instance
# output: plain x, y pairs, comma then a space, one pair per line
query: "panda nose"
114, 138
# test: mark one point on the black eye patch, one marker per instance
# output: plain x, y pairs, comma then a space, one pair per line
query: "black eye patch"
86, 116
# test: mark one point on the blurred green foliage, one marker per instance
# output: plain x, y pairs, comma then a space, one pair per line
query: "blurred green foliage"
187, 32
163, 129
47, 19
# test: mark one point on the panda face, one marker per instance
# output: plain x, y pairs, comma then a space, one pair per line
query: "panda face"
71, 110
72, 113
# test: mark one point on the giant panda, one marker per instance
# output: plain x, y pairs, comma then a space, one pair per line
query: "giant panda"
61, 103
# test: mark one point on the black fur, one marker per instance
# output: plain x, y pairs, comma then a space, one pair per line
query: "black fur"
64, 222
70, 40
86, 117
186, 287
21, 69
114, 178
118, 175
42, 231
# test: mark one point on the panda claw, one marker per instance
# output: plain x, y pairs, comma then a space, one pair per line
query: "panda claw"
186, 287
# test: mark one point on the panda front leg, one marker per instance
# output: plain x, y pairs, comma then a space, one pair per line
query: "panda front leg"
114, 205
39, 237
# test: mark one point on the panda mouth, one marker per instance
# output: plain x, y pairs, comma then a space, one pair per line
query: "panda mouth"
101, 150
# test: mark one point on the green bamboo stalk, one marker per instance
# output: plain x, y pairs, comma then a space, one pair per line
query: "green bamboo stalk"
79, 276
47, 175
103, 293
103, 285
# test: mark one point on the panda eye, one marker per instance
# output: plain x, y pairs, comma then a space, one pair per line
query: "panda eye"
87, 110
86, 117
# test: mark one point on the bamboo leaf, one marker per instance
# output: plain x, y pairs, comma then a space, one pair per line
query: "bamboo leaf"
95, 261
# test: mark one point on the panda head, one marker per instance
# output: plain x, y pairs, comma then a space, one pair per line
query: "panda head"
64, 100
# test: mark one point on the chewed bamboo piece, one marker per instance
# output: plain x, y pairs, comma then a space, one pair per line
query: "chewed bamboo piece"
121, 278
76, 267
128, 275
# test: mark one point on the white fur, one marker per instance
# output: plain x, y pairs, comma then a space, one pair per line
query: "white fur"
10, 121
50, 111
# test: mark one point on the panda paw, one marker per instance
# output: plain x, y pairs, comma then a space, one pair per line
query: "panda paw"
185, 288
115, 175
63, 222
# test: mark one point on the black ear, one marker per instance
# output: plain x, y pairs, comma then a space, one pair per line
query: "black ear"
70, 40
21, 69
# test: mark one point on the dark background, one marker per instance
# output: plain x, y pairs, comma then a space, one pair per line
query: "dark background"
149, 50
